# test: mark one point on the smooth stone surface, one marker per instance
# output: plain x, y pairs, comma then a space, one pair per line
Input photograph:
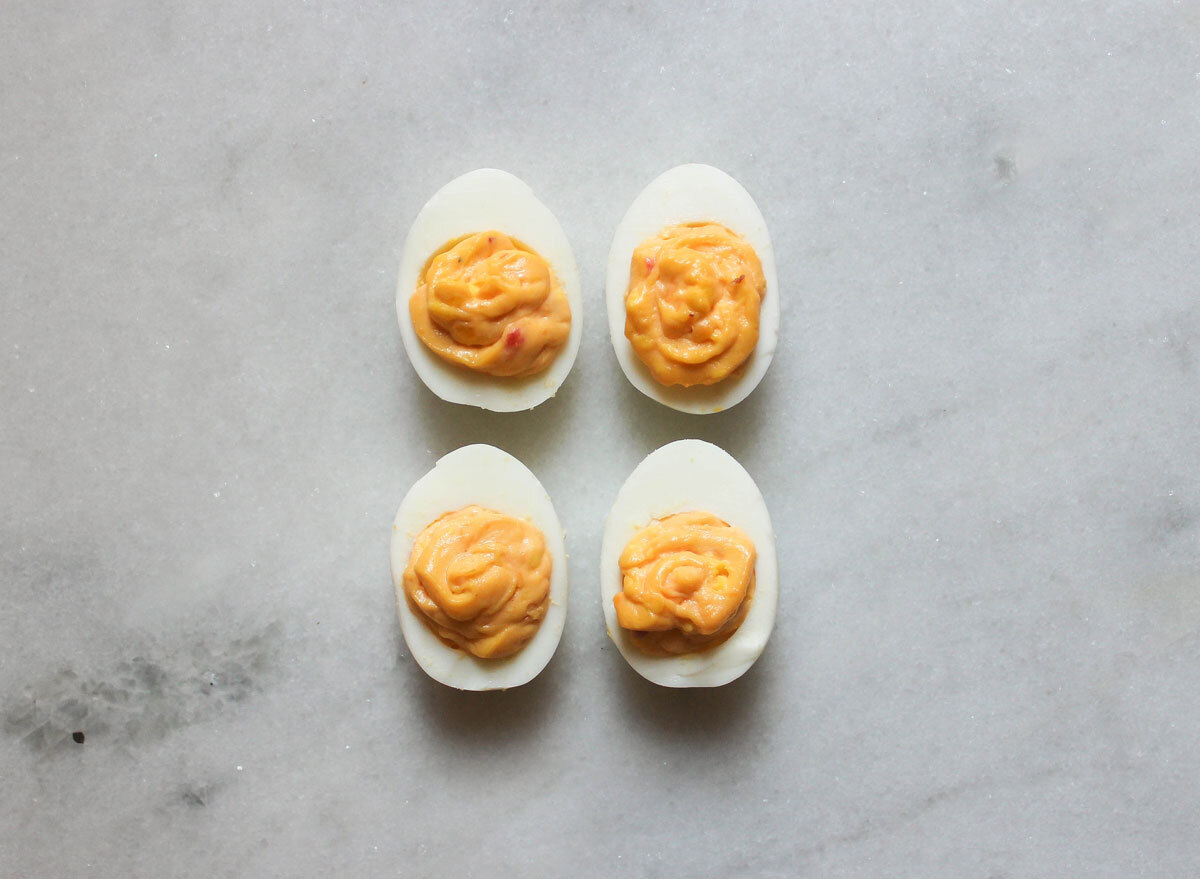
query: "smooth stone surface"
979, 441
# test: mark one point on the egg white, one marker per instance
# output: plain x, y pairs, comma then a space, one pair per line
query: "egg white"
483, 475
476, 202
690, 193
681, 476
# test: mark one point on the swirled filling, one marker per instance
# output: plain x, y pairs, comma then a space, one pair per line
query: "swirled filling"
480, 580
491, 304
691, 310
687, 583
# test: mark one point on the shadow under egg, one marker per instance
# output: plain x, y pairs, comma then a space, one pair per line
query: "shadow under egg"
683, 715
487, 719
528, 435
735, 429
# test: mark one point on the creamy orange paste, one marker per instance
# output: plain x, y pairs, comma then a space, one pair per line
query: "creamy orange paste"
480, 580
490, 303
687, 583
691, 310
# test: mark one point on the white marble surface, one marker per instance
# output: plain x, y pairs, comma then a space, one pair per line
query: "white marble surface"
979, 440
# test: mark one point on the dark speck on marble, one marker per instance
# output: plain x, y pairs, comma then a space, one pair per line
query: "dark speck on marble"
197, 796
1006, 169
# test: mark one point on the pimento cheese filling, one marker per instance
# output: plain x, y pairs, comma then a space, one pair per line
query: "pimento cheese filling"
687, 583
491, 304
692, 306
480, 581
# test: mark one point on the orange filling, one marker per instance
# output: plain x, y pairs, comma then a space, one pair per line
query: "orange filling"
491, 304
687, 583
480, 580
691, 310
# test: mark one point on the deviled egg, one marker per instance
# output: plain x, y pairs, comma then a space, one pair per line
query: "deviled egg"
479, 568
692, 293
488, 297
689, 580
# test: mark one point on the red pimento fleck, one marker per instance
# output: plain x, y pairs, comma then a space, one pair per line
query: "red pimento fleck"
739, 279
513, 338
649, 264
491, 240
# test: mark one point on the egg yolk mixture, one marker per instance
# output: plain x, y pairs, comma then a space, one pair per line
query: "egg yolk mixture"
691, 310
480, 580
490, 303
687, 583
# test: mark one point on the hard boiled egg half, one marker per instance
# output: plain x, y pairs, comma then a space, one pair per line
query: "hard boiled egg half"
500, 323
690, 271
470, 480
704, 482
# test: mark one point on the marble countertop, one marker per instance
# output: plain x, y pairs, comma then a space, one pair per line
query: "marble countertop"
979, 441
